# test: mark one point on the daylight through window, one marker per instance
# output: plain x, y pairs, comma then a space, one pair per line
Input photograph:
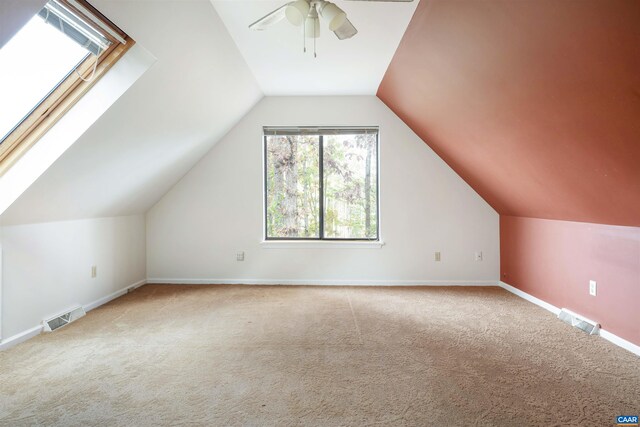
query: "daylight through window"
321, 184
48, 65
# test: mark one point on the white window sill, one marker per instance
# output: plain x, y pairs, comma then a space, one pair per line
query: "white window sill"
323, 244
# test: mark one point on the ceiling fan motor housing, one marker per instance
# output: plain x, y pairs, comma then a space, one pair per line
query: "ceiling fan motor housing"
300, 11
297, 11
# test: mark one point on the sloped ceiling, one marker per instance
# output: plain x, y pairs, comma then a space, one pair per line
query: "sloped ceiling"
343, 67
197, 90
536, 104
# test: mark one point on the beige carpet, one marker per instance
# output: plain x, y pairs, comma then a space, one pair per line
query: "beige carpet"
319, 356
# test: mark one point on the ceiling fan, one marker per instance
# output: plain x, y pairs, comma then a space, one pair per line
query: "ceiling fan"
307, 13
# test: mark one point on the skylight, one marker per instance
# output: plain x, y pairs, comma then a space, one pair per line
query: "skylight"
33, 63
48, 66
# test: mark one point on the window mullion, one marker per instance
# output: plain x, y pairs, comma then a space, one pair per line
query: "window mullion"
321, 169
266, 188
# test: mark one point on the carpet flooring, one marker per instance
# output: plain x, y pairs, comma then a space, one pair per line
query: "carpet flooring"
317, 356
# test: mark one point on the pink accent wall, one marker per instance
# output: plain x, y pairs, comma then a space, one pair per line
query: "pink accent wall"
554, 261
536, 104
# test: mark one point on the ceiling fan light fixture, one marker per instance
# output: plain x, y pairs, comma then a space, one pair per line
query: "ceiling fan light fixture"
333, 15
312, 25
297, 12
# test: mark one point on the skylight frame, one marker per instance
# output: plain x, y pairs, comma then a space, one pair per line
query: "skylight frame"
70, 90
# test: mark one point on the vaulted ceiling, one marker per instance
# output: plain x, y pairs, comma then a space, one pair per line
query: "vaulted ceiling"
342, 67
536, 104
210, 71
130, 157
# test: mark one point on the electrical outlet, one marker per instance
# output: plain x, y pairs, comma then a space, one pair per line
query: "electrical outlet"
437, 256
479, 256
94, 271
593, 288
240, 256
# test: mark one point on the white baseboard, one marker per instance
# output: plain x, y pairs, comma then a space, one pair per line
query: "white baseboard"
36, 330
20, 337
620, 342
537, 301
346, 282
97, 303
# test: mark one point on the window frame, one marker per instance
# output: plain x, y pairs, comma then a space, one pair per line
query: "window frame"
318, 130
67, 92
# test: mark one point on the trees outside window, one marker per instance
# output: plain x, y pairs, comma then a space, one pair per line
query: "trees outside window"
321, 184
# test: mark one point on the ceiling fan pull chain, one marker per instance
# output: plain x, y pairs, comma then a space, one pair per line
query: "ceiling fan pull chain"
304, 41
315, 36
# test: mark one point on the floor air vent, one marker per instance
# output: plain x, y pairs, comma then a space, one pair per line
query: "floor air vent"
57, 322
569, 317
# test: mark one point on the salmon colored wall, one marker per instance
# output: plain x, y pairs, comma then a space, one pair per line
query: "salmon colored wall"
554, 261
535, 103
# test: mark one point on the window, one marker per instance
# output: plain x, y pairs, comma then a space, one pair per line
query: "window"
321, 184
47, 67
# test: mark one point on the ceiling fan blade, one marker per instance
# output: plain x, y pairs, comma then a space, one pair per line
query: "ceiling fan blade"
270, 19
346, 30
389, 1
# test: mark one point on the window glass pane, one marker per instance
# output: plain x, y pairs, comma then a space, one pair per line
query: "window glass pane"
32, 64
293, 186
350, 186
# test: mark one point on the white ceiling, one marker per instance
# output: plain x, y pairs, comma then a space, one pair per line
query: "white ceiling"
349, 67
197, 90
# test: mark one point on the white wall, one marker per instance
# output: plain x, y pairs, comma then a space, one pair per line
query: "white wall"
46, 268
195, 230
63, 135
197, 89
